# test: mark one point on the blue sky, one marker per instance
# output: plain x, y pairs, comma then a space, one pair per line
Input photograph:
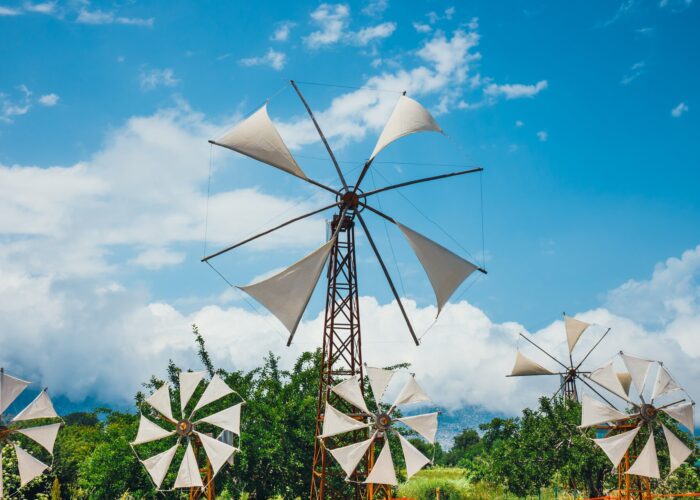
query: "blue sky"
584, 115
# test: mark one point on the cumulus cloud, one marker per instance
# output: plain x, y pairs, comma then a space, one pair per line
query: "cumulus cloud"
272, 58
375, 8
49, 100
422, 27
150, 79
333, 20
679, 110
9, 11
515, 91
281, 33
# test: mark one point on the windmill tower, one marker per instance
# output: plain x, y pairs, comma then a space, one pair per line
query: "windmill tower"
287, 293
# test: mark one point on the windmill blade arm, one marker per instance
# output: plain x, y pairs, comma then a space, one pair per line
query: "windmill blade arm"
593, 348
555, 359
248, 240
418, 181
594, 390
388, 278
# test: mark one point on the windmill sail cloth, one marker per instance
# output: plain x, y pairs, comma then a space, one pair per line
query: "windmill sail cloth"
41, 407
350, 390
647, 464
415, 460
286, 294
216, 389
574, 329
160, 400
148, 431
257, 137
616, 446
336, 422
45, 435
411, 393
378, 380
625, 381
188, 384
407, 118
524, 367
425, 425
383, 471
349, 456
10, 388
228, 419
217, 451
638, 369
683, 413
157, 466
606, 377
29, 467
677, 450
445, 270
664, 383
594, 412
188, 473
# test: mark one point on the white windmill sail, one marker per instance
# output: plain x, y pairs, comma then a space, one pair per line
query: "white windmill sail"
616, 446
524, 366
647, 464
683, 413
10, 388
638, 369
286, 294
574, 329
383, 471
29, 467
415, 460
378, 380
349, 456
594, 412
411, 393
228, 419
664, 383
625, 381
216, 389
160, 400
148, 431
336, 422
425, 425
45, 435
188, 473
188, 384
157, 466
445, 270
606, 377
350, 390
257, 137
407, 118
677, 449
217, 451
41, 407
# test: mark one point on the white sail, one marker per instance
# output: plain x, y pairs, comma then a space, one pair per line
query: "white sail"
29, 467
336, 422
616, 446
378, 380
148, 431
217, 451
606, 377
594, 412
574, 329
425, 425
157, 466
216, 389
228, 419
45, 435
647, 464
160, 400
411, 393
383, 471
188, 384
10, 388
349, 456
188, 473
664, 383
638, 369
677, 450
350, 390
415, 460
683, 413
625, 381
524, 367
41, 407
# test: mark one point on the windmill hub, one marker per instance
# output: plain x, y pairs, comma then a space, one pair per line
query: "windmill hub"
648, 412
382, 421
184, 427
350, 199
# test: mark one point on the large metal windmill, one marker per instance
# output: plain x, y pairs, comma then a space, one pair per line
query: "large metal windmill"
287, 293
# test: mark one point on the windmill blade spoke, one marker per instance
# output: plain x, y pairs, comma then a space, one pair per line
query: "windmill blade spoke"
594, 390
525, 367
566, 368
418, 181
592, 349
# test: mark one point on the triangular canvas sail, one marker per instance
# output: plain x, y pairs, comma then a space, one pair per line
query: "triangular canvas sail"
638, 369
188, 473
383, 471
425, 425
349, 456
616, 446
683, 413
148, 431
160, 400
574, 329
228, 419
257, 137
45, 435
350, 390
677, 450
647, 464
415, 460
445, 270
10, 388
664, 383
594, 412
335, 422
407, 118
625, 381
524, 366
606, 377
411, 393
41, 407
378, 380
157, 466
217, 451
216, 389
188, 384
29, 467
287, 293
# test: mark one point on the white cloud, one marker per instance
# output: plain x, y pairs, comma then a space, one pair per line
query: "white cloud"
40, 8
18, 106
97, 17
150, 79
155, 258
515, 91
281, 33
272, 58
9, 11
422, 27
333, 23
635, 71
49, 100
679, 110
375, 8
366, 35
542, 135
519, 123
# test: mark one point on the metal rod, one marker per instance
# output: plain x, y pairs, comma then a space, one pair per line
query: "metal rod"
248, 240
555, 359
362, 175
593, 348
388, 278
323, 137
671, 404
417, 181
560, 388
593, 389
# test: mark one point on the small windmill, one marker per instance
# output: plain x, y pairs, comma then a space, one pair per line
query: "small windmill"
188, 432
664, 396
24, 425
287, 293
570, 372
